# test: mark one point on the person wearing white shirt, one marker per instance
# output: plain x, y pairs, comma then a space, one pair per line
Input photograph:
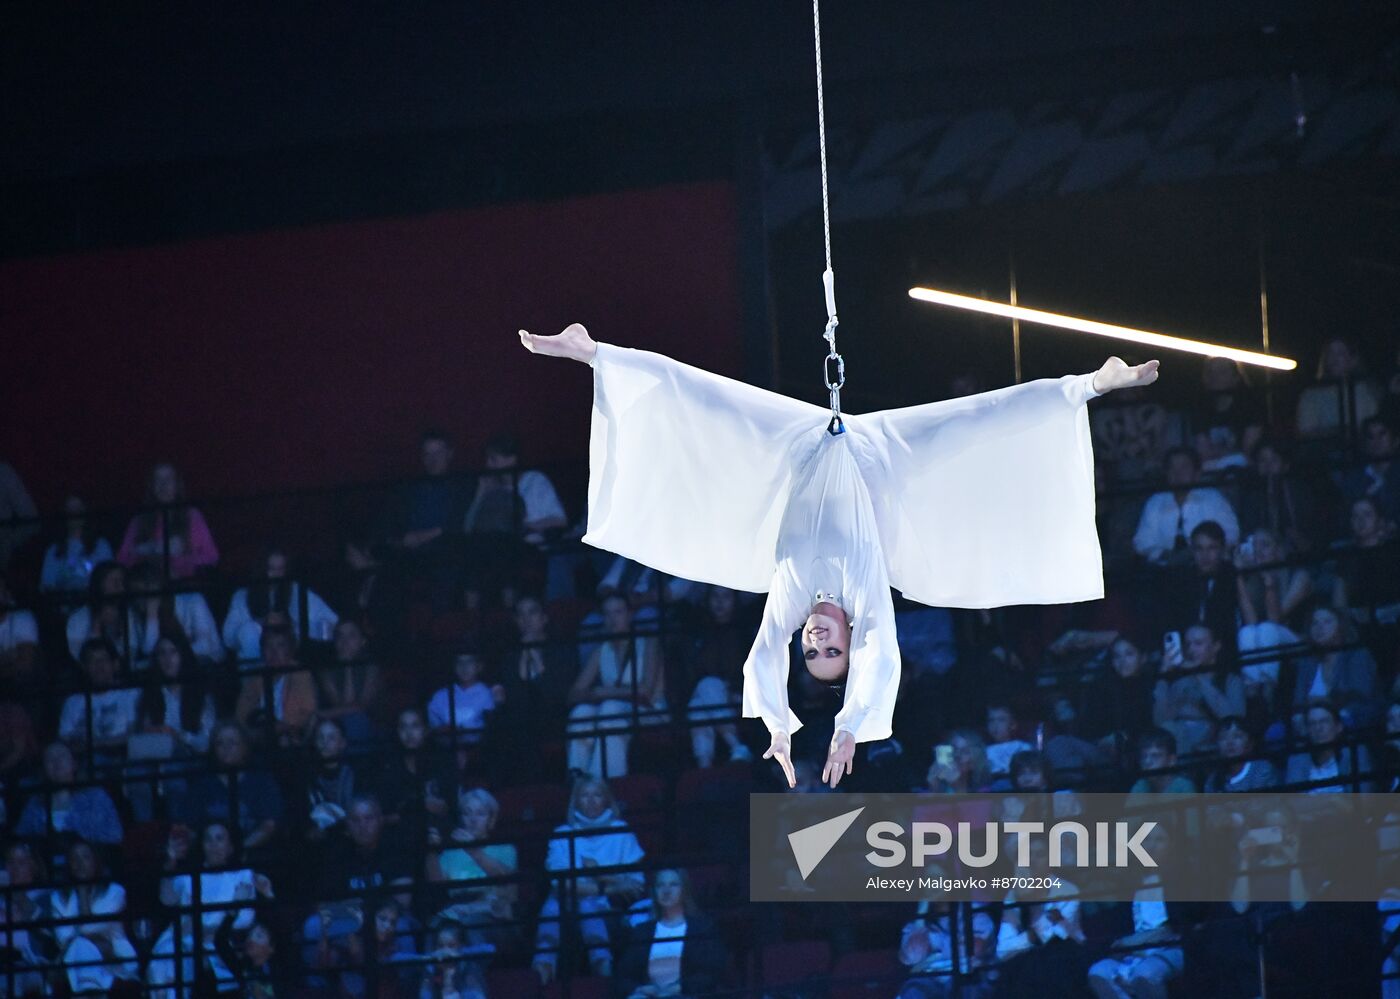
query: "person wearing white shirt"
85, 944
463, 707
251, 605
976, 502
541, 511
113, 712
154, 612
1169, 517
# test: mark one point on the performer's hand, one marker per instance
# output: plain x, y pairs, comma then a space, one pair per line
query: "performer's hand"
574, 343
1117, 374
839, 757
780, 749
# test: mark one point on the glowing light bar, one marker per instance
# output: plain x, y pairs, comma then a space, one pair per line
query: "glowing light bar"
1101, 329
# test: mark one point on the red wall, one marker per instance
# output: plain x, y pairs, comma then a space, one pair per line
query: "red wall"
315, 356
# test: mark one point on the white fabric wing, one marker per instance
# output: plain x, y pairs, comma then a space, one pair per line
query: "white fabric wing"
689, 471
987, 500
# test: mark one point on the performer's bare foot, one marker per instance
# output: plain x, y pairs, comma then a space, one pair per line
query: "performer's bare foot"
1116, 374
573, 343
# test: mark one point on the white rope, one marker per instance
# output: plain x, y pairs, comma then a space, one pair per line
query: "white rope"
821, 128
834, 367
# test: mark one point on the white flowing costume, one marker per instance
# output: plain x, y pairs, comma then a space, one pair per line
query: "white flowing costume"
977, 502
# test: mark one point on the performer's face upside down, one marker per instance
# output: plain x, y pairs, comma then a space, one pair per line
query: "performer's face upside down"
826, 643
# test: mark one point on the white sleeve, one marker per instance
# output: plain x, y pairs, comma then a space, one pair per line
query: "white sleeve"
79, 622
1148, 540
439, 715
766, 669
988, 500
237, 617
1224, 514
872, 680
321, 620
689, 472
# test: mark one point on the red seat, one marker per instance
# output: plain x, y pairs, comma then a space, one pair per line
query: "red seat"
534, 804
792, 963
708, 784
519, 983
594, 987
866, 974
639, 794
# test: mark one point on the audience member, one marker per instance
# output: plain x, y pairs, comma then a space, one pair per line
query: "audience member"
71, 556
1338, 670
1366, 579
1378, 479
1348, 767
1204, 590
676, 952
927, 947
1169, 517
19, 636
1228, 418
486, 913
189, 548
175, 702
331, 784
718, 662
84, 946
277, 598
25, 948
1269, 590
1002, 743
86, 812
415, 784
595, 836
97, 721
623, 684
1143, 962
1197, 687
281, 695
1341, 399
539, 508
1157, 763
106, 613
461, 710
1040, 943
967, 772
1238, 770
220, 882
154, 613
1118, 703
244, 799
1273, 496
350, 684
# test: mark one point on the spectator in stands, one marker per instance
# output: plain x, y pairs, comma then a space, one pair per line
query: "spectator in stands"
106, 613
676, 952
1118, 704
1338, 670
594, 836
155, 613
70, 558
623, 684
211, 798
19, 636
277, 598
220, 881
1273, 497
350, 684
1196, 690
453, 974
85, 812
1228, 418
540, 510
484, 912
1040, 945
1132, 433
1156, 761
175, 701
1002, 743
536, 675
365, 859
251, 957
26, 954
332, 784
392, 943
415, 785
1326, 758
1379, 478
718, 663
98, 721
928, 949
19, 745
1204, 591
15, 506
1342, 398
282, 694
422, 530
461, 710
1143, 962
1238, 770
969, 772
1169, 517
191, 545
1269, 591
91, 892
1366, 578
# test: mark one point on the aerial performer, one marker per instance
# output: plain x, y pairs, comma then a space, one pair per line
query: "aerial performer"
977, 502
